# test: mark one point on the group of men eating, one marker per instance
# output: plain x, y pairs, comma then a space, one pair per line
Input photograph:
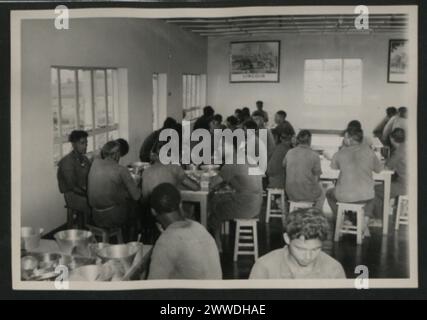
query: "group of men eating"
105, 194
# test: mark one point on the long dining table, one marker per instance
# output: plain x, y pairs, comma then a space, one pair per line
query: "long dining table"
329, 174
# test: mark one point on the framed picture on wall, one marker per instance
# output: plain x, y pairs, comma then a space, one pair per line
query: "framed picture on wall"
254, 61
398, 61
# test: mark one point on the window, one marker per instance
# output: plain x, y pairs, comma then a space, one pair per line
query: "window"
193, 95
83, 99
333, 82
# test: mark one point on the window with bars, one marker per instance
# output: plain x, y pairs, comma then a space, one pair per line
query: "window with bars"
83, 99
193, 94
333, 82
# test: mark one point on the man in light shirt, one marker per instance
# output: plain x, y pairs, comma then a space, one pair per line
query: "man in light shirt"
302, 257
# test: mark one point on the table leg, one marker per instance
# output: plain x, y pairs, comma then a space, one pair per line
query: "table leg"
386, 205
204, 211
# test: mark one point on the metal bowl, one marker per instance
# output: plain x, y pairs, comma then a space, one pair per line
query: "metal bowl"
87, 273
29, 263
94, 248
30, 237
74, 240
73, 262
123, 253
47, 260
209, 167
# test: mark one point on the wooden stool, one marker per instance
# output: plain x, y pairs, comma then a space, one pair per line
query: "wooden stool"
275, 213
402, 216
293, 205
106, 234
358, 229
246, 229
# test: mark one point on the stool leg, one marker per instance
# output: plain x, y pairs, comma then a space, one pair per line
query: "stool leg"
227, 227
236, 241
338, 224
267, 213
360, 223
105, 237
282, 202
120, 236
399, 209
255, 237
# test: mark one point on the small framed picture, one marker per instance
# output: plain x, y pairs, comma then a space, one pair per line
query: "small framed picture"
254, 61
398, 61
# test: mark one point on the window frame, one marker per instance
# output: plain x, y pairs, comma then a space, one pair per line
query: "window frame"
94, 131
192, 94
342, 83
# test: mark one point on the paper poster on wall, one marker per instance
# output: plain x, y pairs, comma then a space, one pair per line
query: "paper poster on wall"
254, 61
398, 61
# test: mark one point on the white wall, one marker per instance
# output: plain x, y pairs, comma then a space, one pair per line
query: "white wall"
141, 46
288, 94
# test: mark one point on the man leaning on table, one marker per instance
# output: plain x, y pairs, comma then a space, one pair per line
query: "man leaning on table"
185, 249
112, 191
356, 162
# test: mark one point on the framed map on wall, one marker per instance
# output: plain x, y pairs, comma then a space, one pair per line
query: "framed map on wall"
254, 61
398, 61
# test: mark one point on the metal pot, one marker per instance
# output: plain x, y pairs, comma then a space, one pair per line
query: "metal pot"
74, 241
123, 254
30, 238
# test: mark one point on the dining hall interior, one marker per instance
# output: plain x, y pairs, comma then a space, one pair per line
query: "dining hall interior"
316, 83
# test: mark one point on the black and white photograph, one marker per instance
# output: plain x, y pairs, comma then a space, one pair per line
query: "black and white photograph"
245, 147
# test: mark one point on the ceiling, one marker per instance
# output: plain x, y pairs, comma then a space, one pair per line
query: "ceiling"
299, 24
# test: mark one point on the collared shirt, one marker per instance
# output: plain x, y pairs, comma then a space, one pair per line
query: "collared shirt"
73, 170
110, 184
185, 250
356, 164
275, 171
303, 169
285, 125
161, 173
397, 163
276, 265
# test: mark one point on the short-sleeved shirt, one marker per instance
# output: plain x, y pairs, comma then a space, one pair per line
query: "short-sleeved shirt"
110, 185
276, 265
356, 164
185, 250
161, 173
397, 163
73, 170
238, 177
275, 171
302, 166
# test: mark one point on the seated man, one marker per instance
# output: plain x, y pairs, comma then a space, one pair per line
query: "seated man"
259, 109
232, 123
302, 257
73, 170
258, 117
150, 141
159, 173
184, 250
275, 171
356, 162
397, 163
204, 121
280, 121
303, 171
379, 129
244, 202
112, 191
